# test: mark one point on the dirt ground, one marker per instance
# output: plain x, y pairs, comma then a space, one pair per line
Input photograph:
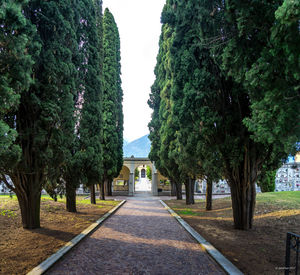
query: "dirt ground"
260, 250
23, 249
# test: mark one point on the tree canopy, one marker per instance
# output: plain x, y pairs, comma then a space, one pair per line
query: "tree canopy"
51, 114
227, 106
112, 101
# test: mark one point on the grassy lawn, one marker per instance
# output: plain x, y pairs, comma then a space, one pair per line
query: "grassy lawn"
289, 199
260, 250
21, 249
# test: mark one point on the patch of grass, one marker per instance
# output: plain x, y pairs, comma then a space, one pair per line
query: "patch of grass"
82, 200
287, 199
6, 197
8, 213
99, 203
188, 212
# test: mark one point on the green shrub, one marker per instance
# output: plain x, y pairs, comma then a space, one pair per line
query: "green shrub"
267, 181
149, 173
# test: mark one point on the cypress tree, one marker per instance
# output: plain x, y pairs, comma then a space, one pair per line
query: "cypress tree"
71, 166
65, 177
37, 119
112, 104
119, 105
162, 130
196, 156
208, 94
73, 170
91, 127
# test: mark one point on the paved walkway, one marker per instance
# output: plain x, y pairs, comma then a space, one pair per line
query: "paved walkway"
140, 238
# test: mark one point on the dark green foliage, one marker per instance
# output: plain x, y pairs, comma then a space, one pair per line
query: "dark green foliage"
276, 71
162, 127
112, 101
73, 168
119, 106
136, 173
224, 65
263, 55
110, 91
266, 181
149, 173
209, 108
51, 114
91, 122
69, 173
16, 67
38, 119
190, 62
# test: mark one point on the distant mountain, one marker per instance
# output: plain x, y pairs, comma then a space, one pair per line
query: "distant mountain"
138, 148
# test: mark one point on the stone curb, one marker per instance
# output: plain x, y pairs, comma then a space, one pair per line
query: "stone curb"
45, 265
213, 252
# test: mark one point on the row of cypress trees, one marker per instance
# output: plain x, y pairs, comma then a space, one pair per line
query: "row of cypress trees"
61, 100
226, 96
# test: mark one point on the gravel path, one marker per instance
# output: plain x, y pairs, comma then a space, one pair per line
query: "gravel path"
140, 238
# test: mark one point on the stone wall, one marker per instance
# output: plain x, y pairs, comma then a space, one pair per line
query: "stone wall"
288, 177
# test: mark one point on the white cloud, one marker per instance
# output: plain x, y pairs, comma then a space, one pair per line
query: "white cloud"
139, 26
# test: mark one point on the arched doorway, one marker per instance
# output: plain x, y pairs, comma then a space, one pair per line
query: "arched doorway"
125, 183
120, 184
143, 179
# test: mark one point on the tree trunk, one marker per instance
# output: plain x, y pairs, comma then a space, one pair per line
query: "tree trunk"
102, 193
93, 194
30, 209
70, 197
109, 192
28, 190
178, 190
107, 187
173, 188
209, 186
189, 191
243, 204
243, 193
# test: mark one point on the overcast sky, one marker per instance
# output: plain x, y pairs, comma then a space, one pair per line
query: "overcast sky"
139, 26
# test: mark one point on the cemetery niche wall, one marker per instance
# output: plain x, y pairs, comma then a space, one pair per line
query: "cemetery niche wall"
287, 179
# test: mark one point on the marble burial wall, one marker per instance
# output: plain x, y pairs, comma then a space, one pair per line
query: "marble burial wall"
287, 179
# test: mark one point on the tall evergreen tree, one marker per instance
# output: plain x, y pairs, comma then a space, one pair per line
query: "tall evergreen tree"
73, 170
162, 130
70, 170
197, 157
112, 104
210, 95
37, 119
119, 105
74, 165
263, 57
91, 126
